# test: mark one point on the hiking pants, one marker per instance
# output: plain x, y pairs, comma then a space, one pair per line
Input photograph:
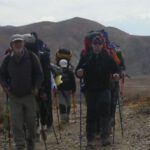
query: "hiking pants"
45, 110
98, 108
23, 114
64, 104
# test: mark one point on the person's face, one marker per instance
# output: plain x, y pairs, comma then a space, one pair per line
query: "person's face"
17, 46
97, 46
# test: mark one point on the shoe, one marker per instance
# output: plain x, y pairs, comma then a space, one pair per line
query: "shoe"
90, 147
20, 147
106, 142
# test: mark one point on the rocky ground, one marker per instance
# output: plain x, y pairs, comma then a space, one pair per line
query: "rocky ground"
136, 125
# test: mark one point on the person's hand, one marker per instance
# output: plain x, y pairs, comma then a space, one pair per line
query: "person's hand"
35, 92
116, 76
80, 73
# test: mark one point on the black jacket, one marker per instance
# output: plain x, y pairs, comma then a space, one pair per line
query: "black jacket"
98, 69
21, 75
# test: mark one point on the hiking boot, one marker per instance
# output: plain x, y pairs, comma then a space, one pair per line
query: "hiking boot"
90, 147
106, 142
20, 147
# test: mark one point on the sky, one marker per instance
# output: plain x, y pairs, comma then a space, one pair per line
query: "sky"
131, 16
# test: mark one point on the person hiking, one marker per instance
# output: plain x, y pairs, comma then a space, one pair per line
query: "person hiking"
96, 67
44, 99
20, 77
65, 89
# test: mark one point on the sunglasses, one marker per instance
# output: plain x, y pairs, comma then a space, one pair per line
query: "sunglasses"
97, 42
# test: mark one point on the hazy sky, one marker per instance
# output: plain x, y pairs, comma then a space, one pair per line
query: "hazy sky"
132, 16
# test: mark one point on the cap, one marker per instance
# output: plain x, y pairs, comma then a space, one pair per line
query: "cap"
63, 63
17, 37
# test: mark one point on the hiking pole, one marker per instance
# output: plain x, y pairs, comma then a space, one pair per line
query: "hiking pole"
80, 115
44, 137
55, 134
74, 107
8, 117
57, 111
54, 128
120, 115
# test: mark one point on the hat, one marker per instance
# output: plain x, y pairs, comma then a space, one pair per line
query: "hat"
63, 63
17, 37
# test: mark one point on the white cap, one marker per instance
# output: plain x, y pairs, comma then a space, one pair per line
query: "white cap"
17, 37
63, 63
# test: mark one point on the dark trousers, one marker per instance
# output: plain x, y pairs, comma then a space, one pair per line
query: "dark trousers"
45, 110
98, 109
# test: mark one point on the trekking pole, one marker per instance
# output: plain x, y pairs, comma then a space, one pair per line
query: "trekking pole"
57, 111
55, 134
120, 97
80, 115
44, 137
74, 107
8, 117
120, 115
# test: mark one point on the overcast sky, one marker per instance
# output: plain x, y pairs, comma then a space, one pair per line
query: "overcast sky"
132, 16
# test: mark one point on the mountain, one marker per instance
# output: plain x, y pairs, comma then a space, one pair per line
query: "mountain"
70, 34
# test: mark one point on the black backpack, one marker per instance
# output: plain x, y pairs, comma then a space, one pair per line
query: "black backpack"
66, 80
39, 48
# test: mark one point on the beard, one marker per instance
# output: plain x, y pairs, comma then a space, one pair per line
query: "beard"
18, 51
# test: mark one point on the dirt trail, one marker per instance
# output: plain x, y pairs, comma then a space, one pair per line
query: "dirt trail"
136, 123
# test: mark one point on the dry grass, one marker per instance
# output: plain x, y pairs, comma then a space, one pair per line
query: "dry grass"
137, 87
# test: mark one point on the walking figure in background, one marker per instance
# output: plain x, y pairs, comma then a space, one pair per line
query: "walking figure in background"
96, 67
21, 76
67, 88
65, 91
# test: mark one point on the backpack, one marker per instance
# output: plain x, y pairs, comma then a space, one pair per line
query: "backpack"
38, 47
66, 80
108, 46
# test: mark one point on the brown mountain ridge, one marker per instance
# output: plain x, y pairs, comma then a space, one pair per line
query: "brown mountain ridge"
70, 34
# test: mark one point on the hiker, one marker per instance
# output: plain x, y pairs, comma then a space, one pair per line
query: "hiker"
44, 100
65, 90
95, 67
21, 77
114, 51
